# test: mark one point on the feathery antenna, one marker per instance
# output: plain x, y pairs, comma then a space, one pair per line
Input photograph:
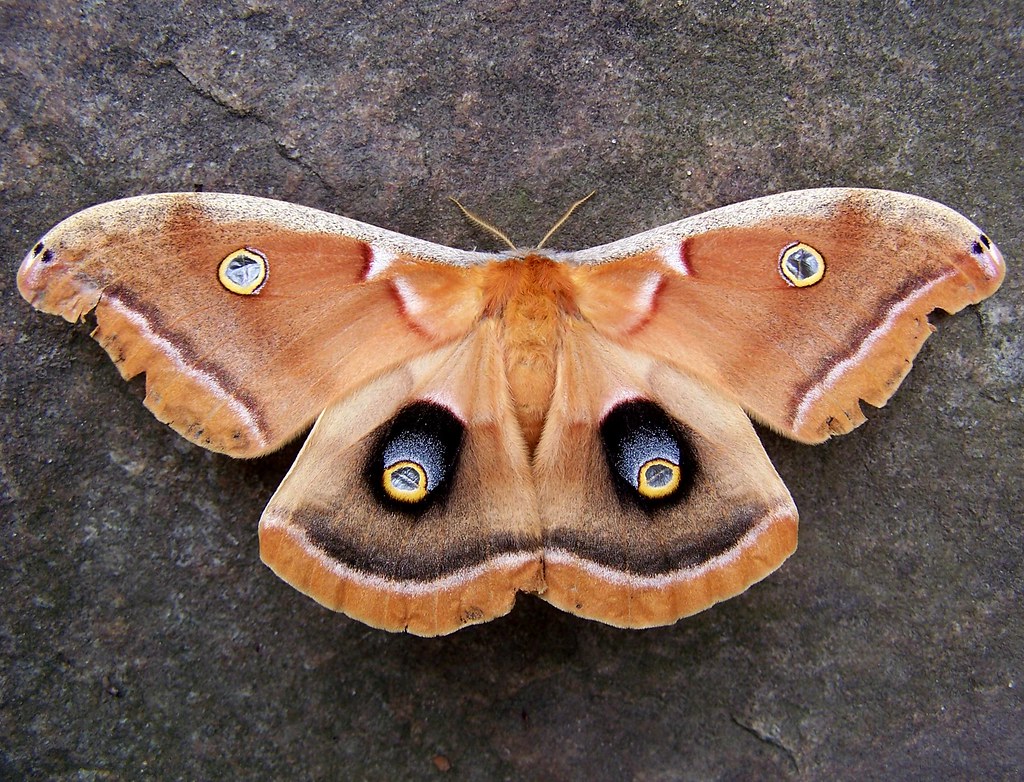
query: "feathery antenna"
564, 217
493, 230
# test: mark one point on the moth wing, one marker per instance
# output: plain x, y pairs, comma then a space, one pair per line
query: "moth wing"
707, 295
636, 559
342, 302
334, 532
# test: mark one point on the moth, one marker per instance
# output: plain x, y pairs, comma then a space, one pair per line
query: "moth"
571, 424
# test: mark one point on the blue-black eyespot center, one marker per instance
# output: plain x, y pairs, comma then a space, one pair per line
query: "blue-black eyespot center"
244, 271
414, 457
650, 456
801, 265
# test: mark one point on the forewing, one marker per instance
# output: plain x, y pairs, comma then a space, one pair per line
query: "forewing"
708, 296
342, 302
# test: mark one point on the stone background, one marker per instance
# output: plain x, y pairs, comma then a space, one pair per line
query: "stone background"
141, 637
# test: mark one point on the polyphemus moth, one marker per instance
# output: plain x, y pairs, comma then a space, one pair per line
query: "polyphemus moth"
571, 424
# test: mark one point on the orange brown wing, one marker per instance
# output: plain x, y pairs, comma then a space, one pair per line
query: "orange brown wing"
637, 556
448, 548
798, 355
242, 373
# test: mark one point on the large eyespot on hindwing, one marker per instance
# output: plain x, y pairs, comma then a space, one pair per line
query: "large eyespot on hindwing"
649, 455
415, 458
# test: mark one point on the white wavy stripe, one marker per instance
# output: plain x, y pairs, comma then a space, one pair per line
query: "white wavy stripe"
866, 346
414, 305
511, 561
205, 379
617, 397
413, 588
672, 256
446, 400
381, 257
645, 293
605, 573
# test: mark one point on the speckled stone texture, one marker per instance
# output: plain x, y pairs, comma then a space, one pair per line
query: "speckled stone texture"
141, 637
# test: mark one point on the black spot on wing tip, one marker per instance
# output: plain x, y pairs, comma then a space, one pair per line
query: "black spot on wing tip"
981, 244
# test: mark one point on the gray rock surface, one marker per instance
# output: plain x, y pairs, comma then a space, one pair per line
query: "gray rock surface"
140, 636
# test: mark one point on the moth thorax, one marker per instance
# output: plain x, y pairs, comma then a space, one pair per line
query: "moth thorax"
534, 297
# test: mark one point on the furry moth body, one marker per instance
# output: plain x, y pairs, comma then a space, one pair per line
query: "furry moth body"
569, 424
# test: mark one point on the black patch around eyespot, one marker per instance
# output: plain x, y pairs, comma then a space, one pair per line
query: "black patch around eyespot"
47, 256
985, 241
640, 414
432, 423
976, 248
38, 248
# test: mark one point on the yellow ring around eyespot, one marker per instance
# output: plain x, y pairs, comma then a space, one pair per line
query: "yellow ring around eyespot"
253, 285
799, 282
405, 495
657, 492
